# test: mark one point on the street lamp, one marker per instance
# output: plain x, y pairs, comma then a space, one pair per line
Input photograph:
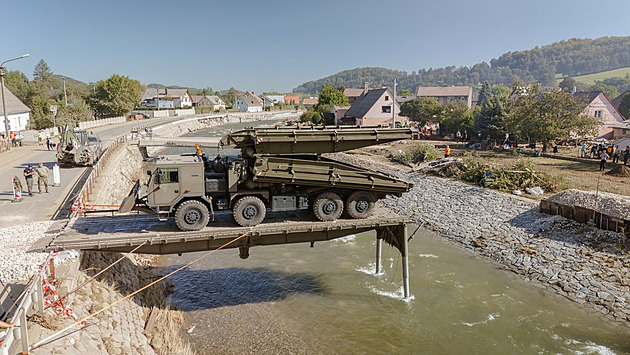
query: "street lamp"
4, 105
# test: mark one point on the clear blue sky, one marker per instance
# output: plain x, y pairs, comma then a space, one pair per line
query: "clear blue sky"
277, 45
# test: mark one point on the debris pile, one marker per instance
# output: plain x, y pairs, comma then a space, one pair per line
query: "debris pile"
604, 202
619, 170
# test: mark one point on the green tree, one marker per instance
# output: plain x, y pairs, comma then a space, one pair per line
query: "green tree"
548, 115
115, 96
493, 112
484, 94
330, 96
18, 83
609, 90
568, 83
624, 106
317, 118
405, 92
456, 117
42, 71
422, 110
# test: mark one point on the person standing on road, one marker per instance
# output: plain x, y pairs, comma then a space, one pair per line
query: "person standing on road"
28, 175
49, 143
42, 177
602, 163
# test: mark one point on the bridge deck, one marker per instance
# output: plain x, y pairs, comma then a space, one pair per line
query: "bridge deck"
125, 232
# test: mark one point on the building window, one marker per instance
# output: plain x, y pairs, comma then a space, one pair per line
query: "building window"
598, 114
386, 98
386, 109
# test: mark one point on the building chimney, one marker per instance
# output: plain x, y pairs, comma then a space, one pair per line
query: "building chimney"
365, 88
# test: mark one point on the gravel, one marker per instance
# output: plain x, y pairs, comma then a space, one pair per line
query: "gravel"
15, 263
585, 264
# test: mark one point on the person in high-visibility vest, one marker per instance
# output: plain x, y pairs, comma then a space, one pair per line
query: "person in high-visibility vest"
447, 151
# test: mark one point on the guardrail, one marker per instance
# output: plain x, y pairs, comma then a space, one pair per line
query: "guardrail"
88, 186
33, 294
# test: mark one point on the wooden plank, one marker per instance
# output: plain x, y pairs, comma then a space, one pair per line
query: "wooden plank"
148, 327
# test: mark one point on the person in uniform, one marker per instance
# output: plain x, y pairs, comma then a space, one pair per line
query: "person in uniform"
28, 175
42, 177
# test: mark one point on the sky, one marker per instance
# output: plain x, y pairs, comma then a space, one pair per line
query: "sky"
271, 45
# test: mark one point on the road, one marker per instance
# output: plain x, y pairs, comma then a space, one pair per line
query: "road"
41, 207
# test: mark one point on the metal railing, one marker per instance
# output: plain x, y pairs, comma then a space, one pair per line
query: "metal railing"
33, 294
88, 186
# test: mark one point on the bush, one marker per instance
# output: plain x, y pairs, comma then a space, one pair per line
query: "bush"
317, 118
307, 116
424, 152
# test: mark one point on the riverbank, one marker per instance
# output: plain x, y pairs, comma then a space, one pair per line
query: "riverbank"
585, 264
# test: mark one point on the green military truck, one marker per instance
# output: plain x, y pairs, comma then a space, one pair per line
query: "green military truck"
280, 169
78, 147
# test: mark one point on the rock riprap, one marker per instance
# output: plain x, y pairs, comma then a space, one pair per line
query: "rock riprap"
15, 263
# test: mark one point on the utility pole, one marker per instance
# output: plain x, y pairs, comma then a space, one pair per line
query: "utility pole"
394, 107
65, 98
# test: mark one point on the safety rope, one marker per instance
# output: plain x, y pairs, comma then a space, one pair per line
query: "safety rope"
102, 271
82, 321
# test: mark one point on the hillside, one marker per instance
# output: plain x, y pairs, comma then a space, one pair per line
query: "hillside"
590, 79
573, 57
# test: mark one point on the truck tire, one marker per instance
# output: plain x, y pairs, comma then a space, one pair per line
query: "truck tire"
192, 215
328, 206
249, 211
360, 204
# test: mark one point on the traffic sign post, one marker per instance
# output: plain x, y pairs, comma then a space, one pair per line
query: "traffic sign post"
53, 109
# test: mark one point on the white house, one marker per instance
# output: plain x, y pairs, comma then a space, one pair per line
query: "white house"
276, 98
166, 98
18, 114
249, 103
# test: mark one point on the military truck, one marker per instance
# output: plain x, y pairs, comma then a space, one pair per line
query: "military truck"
78, 147
280, 169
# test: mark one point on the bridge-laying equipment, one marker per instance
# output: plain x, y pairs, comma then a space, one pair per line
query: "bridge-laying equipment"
78, 147
280, 169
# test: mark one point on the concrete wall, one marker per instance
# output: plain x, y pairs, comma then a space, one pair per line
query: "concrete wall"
102, 122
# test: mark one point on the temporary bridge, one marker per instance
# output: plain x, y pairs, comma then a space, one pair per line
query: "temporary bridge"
124, 233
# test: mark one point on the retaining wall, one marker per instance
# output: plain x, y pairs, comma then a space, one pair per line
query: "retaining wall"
102, 122
585, 215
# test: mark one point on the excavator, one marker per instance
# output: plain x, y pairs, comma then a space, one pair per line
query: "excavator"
78, 147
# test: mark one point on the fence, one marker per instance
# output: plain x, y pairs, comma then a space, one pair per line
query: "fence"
101, 122
33, 294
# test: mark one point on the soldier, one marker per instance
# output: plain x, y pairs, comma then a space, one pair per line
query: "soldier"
28, 175
42, 177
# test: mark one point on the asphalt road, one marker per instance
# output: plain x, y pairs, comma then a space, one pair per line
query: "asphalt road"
42, 206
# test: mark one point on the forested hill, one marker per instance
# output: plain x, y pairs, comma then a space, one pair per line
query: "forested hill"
570, 58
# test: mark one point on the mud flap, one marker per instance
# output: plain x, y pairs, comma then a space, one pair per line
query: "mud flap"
130, 201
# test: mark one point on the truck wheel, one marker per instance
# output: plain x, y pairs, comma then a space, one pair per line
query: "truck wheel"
328, 206
360, 204
192, 216
249, 211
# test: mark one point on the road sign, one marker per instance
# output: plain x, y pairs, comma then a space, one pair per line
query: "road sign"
53, 108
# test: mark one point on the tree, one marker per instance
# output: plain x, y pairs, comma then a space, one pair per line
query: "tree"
422, 110
329, 96
608, 90
624, 106
405, 92
317, 118
548, 115
492, 114
115, 96
17, 82
568, 83
456, 117
42, 71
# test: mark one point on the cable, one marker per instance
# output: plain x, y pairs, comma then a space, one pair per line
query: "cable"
39, 343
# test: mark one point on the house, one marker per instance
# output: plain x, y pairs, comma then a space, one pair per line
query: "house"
249, 103
310, 102
447, 93
339, 112
621, 130
276, 99
266, 100
292, 100
166, 98
18, 114
601, 108
374, 108
402, 99
211, 101
354, 94
617, 100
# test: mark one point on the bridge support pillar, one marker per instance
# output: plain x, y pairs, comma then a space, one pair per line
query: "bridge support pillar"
379, 248
405, 261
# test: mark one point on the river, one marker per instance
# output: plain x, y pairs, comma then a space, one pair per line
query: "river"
326, 299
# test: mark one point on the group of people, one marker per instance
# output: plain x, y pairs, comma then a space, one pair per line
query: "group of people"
49, 142
459, 137
42, 177
603, 152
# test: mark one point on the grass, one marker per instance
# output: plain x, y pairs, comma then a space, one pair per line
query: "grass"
590, 79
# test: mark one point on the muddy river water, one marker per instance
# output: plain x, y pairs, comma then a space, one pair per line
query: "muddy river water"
327, 299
